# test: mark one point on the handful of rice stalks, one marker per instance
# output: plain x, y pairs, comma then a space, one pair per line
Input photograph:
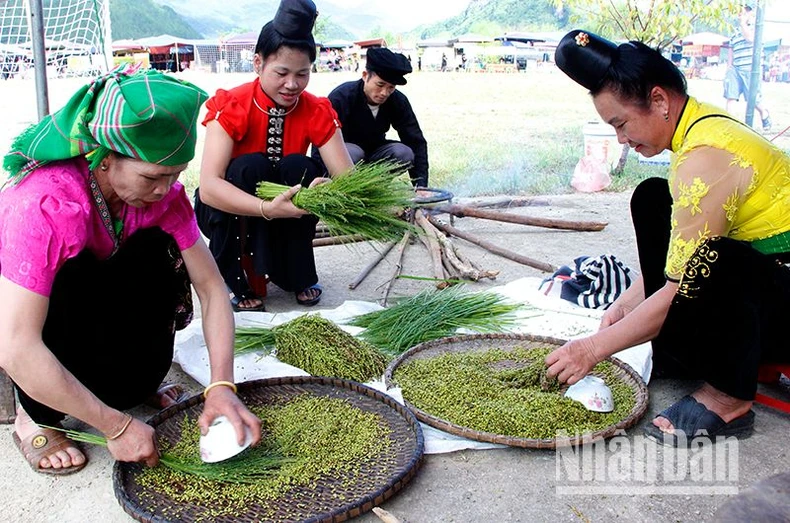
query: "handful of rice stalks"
434, 314
363, 201
317, 346
248, 467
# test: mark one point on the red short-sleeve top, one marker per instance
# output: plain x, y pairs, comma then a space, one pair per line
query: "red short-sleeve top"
242, 112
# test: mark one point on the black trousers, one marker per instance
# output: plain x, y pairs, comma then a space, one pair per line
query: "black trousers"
281, 248
729, 312
112, 323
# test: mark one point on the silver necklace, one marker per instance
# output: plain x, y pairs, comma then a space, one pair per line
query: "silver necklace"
276, 111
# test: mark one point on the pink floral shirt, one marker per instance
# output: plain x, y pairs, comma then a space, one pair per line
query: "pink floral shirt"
51, 217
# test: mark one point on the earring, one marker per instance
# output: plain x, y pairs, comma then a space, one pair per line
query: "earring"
103, 167
666, 116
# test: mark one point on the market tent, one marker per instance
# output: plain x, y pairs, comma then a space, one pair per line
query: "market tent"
243, 38
705, 38
337, 44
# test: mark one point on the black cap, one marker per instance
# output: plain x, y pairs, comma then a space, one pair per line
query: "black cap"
294, 19
585, 57
388, 65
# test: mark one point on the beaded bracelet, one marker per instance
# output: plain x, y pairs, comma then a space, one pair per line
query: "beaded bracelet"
123, 428
262, 213
228, 384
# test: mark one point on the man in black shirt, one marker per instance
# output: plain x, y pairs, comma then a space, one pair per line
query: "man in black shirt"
367, 108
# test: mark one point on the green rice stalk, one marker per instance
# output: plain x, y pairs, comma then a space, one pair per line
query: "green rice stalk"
248, 467
321, 348
362, 201
434, 314
253, 339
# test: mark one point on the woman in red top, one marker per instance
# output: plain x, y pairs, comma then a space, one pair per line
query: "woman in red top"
261, 131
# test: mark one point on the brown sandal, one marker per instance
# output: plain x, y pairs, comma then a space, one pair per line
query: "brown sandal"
44, 443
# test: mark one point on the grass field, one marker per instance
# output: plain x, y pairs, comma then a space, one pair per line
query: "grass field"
487, 133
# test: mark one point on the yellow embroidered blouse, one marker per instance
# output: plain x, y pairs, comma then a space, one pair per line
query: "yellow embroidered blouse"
725, 180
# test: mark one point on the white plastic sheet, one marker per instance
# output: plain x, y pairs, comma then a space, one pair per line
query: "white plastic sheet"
546, 316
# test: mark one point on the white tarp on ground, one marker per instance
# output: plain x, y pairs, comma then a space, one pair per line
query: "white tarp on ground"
548, 316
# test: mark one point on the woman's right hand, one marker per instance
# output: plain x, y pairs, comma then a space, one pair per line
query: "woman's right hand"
282, 206
136, 444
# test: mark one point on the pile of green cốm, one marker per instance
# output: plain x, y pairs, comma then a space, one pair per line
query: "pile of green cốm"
434, 314
502, 392
317, 346
326, 442
250, 466
363, 201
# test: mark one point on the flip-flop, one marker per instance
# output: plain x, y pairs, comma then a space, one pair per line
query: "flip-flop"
235, 302
44, 443
691, 419
157, 400
312, 301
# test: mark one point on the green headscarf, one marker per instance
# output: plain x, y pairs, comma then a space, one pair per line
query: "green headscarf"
145, 115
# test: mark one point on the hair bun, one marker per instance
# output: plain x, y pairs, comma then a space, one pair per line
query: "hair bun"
585, 57
294, 19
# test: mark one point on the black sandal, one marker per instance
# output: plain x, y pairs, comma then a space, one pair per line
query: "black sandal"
236, 304
691, 419
311, 301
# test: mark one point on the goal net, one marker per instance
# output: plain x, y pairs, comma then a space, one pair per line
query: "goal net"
76, 37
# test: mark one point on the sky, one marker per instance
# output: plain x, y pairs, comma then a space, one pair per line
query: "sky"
407, 14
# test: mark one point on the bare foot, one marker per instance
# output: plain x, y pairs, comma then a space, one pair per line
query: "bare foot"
71, 457
727, 407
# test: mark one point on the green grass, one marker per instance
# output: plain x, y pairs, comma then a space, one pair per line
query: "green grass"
487, 133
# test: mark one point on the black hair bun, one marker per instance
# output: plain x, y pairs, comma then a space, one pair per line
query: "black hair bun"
585, 57
294, 19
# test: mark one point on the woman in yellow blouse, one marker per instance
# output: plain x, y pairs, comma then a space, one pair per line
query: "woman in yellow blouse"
713, 240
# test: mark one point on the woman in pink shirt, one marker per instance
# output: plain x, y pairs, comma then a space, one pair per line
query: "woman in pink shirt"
98, 247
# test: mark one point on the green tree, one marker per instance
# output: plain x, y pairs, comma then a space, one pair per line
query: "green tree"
657, 23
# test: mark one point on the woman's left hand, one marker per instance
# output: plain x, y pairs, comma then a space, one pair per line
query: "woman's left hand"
572, 361
222, 401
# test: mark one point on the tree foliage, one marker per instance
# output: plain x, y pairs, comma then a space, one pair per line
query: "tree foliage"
657, 23
494, 17
143, 18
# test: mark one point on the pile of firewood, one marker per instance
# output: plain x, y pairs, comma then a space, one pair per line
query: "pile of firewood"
448, 262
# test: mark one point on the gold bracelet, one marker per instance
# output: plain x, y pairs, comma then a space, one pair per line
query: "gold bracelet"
123, 428
228, 384
262, 213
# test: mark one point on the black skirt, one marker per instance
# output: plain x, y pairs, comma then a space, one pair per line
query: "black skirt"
728, 315
112, 322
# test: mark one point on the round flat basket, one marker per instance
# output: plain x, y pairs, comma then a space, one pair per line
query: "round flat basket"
482, 343
331, 497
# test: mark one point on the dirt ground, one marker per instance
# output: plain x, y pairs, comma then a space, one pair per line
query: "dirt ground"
502, 485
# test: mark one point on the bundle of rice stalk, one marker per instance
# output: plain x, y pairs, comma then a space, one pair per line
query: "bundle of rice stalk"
246, 468
434, 314
317, 346
253, 339
362, 201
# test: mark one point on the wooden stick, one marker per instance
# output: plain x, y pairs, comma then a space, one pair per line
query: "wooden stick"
456, 268
505, 253
506, 202
398, 265
434, 248
372, 265
550, 223
338, 240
